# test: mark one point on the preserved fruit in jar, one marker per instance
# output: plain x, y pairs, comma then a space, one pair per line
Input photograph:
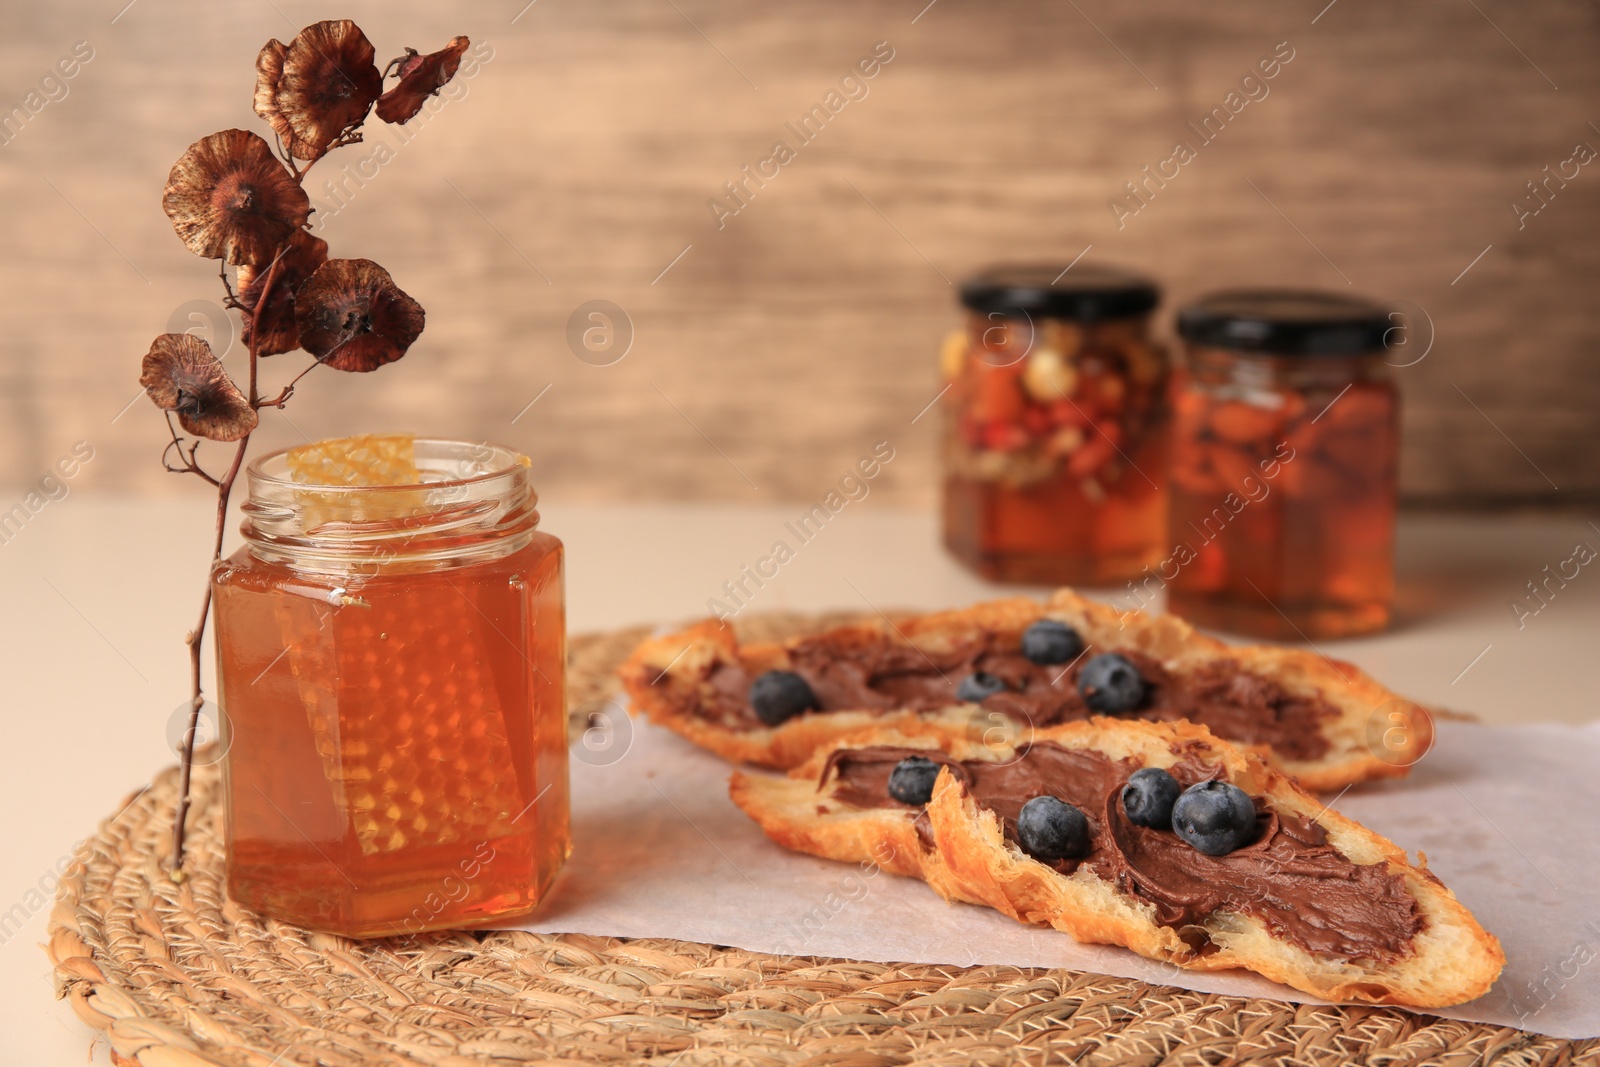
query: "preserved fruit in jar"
1285, 449
1054, 453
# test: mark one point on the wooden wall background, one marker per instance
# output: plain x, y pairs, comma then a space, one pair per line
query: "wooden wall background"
576, 165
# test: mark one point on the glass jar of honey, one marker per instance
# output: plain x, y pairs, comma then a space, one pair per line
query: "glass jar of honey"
1055, 429
391, 667
1284, 459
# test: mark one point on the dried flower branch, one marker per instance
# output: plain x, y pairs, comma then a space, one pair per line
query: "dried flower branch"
231, 199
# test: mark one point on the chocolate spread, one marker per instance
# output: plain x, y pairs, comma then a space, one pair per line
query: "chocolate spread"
1290, 878
865, 670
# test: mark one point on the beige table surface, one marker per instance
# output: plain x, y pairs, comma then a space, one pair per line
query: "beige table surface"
98, 591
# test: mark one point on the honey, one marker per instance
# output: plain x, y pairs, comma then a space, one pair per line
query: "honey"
1055, 445
391, 664
1284, 467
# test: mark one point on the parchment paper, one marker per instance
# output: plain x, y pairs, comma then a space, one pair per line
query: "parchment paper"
1507, 817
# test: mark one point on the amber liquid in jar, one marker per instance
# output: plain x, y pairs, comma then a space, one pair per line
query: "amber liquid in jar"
393, 703
1055, 446
1283, 494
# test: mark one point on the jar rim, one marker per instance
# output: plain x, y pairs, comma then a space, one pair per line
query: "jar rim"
508, 461
473, 498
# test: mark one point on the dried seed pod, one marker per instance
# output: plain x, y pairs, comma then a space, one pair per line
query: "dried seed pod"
420, 77
229, 198
317, 86
181, 375
269, 76
354, 318
279, 330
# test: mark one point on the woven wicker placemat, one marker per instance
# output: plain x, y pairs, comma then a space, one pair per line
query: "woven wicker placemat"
178, 976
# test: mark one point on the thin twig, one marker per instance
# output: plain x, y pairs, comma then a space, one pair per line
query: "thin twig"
232, 303
197, 635
190, 465
288, 390
286, 149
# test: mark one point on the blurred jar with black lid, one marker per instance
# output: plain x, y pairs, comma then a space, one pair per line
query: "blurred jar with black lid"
1054, 441
1284, 466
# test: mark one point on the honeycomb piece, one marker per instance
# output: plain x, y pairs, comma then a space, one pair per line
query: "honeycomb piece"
413, 732
329, 468
366, 459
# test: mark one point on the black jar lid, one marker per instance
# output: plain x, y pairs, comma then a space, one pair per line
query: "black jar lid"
1291, 322
1081, 292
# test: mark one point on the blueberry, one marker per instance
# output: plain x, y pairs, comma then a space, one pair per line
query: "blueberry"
780, 695
1049, 829
1148, 797
911, 781
974, 688
1215, 817
1110, 684
1048, 641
